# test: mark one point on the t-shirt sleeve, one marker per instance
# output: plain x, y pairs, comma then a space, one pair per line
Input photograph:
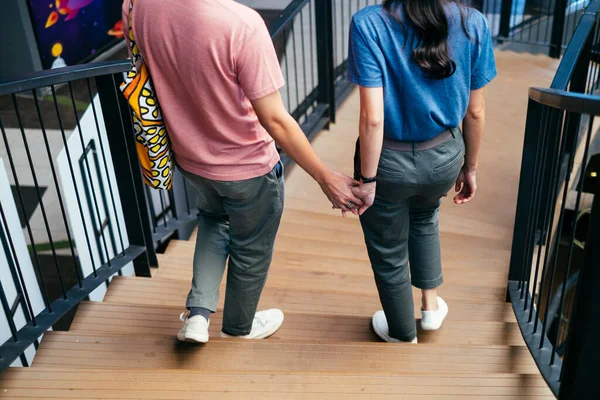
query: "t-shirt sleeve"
484, 61
363, 67
257, 66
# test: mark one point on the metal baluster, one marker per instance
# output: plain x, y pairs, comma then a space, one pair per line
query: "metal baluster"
68, 153
89, 174
150, 199
187, 197
13, 254
549, 12
287, 77
296, 71
162, 206
541, 18
313, 80
591, 70
344, 36
11, 321
58, 191
100, 139
27, 224
521, 24
39, 194
550, 213
566, 28
534, 206
593, 77
574, 226
306, 94
335, 35
171, 198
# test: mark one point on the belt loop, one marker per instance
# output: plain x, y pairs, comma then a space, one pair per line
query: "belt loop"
453, 132
414, 148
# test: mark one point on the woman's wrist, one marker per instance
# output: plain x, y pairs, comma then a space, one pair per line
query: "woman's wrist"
368, 178
470, 167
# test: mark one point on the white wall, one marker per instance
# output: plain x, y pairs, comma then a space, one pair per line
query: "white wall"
78, 225
16, 234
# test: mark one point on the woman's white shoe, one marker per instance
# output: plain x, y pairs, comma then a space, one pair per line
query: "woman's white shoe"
380, 326
265, 324
433, 320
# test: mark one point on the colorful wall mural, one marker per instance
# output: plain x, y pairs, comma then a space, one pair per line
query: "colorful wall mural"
72, 31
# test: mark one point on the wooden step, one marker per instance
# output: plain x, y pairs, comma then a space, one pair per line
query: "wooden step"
486, 261
318, 223
351, 246
337, 284
70, 349
127, 290
453, 253
131, 319
63, 383
352, 275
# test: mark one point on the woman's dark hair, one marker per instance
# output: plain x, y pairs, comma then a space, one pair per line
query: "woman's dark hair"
428, 18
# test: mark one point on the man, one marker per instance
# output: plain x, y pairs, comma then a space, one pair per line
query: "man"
217, 78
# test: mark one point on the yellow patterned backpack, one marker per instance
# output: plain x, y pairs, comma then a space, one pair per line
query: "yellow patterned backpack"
152, 142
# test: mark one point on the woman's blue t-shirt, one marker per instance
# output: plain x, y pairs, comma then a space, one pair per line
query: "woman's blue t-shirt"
417, 107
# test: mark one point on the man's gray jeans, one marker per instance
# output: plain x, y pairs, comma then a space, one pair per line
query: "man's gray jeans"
402, 226
238, 220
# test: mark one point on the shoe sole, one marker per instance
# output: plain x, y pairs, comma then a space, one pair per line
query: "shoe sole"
192, 339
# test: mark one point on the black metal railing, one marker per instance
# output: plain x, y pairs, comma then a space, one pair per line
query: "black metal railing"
539, 24
549, 270
342, 12
556, 229
73, 232
297, 35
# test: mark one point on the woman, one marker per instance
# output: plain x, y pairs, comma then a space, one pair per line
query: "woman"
421, 66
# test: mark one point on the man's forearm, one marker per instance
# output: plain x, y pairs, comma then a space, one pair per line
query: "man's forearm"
289, 136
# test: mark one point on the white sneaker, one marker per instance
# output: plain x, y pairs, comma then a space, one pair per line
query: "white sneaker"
194, 330
380, 326
432, 320
265, 324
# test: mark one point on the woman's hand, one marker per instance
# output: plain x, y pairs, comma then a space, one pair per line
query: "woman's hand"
366, 192
338, 189
466, 185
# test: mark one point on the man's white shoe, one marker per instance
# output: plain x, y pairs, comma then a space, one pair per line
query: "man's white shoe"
433, 320
265, 324
194, 330
380, 326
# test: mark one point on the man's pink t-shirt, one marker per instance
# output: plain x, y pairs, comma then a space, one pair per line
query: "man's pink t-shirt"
208, 59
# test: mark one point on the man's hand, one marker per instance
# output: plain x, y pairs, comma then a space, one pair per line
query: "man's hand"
366, 192
466, 185
337, 187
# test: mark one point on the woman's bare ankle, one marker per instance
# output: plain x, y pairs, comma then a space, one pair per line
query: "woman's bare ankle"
429, 300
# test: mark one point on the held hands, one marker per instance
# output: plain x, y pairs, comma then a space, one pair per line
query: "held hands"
366, 192
338, 189
466, 185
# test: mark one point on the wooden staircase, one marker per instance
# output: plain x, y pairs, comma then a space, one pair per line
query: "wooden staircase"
125, 346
